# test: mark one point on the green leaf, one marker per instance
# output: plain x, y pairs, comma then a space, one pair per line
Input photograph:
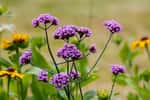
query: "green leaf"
38, 60
38, 94
126, 55
90, 95
4, 62
90, 79
117, 40
145, 75
38, 42
132, 96
32, 71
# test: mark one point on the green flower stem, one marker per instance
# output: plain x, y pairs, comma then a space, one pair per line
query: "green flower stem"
112, 88
101, 54
68, 87
49, 49
79, 82
147, 51
19, 82
8, 86
51, 55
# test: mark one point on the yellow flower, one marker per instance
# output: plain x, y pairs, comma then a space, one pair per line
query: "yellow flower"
10, 72
144, 41
17, 37
103, 94
6, 44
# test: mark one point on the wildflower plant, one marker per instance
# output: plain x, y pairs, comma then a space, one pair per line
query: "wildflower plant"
37, 79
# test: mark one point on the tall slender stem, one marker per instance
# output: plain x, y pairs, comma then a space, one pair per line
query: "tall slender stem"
19, 82
8, 86
147, 51
68, 87
79, 82
112, 88
49, 49
51, 55
101, 54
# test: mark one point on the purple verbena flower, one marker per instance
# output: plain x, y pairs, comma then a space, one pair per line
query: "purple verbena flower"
45, 19
25, 57
43, 76
84, 31
113, 26
60, 80
69, 51
35, 23
65, 32
92, 48
116, 69
74, 75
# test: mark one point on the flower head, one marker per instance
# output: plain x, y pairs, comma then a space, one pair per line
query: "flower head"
11, 73
113, 26
35, 23
92, 48
6, 44
116, 69
45, 19
25, 57
84, 31
60, 80
69, 51
103, 94
19, 38
143, 42
74, 75
43, 76
65, 32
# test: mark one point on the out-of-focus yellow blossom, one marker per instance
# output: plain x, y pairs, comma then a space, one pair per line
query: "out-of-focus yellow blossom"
11, 73
5, 44
17, 37
142, 43
102, 94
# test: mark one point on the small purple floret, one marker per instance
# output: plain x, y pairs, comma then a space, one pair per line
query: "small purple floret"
84, 31
74, 75
113, 26
65, 32
43, 76
45, 19
69, 51
117, 69
25, 57
60, 80
92, 48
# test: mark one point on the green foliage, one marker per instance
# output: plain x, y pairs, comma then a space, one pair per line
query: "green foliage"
3, 10
90, 95
37, 58
126, 55
4, 62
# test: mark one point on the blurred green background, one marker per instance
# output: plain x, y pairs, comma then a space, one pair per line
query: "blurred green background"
134, 15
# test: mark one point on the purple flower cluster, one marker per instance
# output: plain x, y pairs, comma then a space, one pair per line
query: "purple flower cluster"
25, 57
44, 19
69, 51
113, 26
92, 48
74, 75
60, 80
84, 31
43, 76
65, 32
116, 69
